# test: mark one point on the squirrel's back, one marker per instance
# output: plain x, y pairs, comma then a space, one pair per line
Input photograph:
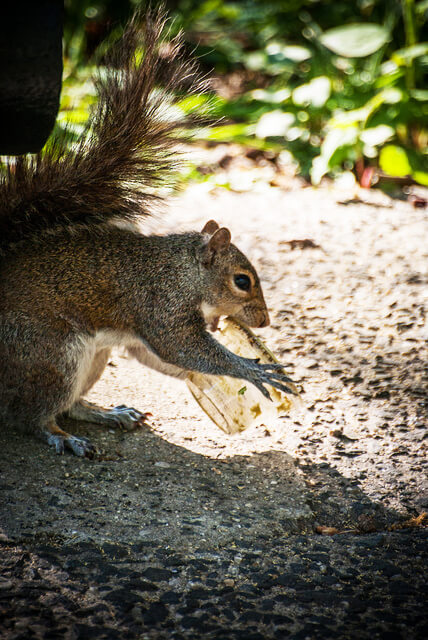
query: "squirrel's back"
126, 151
83, 272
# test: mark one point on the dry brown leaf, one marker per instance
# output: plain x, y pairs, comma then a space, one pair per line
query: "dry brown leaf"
418, 521
326, 531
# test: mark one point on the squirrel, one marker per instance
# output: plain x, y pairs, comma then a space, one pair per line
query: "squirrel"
77, 279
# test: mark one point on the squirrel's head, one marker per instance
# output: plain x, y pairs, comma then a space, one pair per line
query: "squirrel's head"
233, 286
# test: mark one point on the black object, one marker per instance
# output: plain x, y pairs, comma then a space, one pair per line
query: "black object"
30, 73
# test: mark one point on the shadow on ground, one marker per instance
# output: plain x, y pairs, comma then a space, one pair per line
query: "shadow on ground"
162, 542
151, 489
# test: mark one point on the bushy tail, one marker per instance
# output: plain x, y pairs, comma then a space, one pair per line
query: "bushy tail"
126, 151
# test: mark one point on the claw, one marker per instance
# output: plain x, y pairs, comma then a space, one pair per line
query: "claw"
264, 391
274, 368
81, 447
121, 417
281, 387
271, 374
128, 418
279, 377
57, 442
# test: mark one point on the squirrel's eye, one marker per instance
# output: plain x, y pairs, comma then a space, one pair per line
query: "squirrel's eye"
242, 282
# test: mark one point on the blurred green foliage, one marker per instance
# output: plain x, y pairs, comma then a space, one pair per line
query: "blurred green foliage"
340, 85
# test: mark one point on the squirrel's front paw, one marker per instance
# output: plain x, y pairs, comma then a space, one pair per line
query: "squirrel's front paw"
81, 447
271, 374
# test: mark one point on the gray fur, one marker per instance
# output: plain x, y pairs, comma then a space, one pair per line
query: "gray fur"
73, 285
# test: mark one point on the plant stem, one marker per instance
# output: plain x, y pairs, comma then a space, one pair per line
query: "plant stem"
409, 27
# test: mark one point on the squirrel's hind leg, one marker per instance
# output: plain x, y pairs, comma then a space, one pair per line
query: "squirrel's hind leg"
62, 440
123, 417
38, 380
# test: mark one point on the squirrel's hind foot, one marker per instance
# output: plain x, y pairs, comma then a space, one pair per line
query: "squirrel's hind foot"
61, 440
129, 418
122, 417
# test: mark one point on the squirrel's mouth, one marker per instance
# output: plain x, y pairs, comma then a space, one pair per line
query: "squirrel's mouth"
213, 324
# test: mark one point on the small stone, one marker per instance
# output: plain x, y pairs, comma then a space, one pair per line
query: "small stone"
229, 582
137, 613
156, 574
5, 585
170, 597
383, 395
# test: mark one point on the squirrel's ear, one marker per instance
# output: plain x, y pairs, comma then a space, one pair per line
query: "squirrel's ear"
210, 227
220, 240
218, 243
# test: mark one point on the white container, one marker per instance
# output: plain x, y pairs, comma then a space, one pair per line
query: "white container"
233, 404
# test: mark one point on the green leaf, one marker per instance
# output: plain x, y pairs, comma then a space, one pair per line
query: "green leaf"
200, 102
394, 161
405, 56
377, 135
421, 7
390, 95
420, 94
241, 391
334, 150
355, 40
337, 138
225, 132
74, 116
295, 53
274, 123
319, 169
315, 93
256, 60
351, 118
421, 177
270, 96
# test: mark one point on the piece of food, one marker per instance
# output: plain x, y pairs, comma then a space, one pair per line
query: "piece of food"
233, 404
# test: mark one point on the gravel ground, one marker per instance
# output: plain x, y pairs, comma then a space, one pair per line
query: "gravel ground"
309, 527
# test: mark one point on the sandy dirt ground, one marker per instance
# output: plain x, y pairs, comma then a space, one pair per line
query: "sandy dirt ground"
181, 531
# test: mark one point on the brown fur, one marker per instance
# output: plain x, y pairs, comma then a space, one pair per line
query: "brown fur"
127, 149
72, 284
